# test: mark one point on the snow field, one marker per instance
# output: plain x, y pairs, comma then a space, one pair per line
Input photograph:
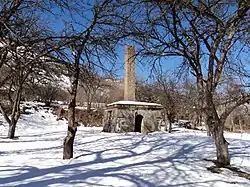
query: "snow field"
106, 159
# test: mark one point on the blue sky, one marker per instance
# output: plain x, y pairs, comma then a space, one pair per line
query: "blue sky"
142, 70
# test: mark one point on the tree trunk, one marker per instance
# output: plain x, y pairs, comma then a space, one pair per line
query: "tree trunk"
170, 127
241, 129
208, 125
88, 103
88, 107
12, 129
12, 121
200, 100
216, 127
208, 131
221, 146
166, 126
72, 126
171, 116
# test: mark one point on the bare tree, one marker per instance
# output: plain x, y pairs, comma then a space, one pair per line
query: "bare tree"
89, 47
26, 46
18, 63
167, 91
91, 82
203, 34
146, 92
114, 90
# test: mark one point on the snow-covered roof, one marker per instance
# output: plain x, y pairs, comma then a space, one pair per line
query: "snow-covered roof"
134, 103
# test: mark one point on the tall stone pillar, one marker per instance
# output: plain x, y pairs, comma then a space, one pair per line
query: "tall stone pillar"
129, 74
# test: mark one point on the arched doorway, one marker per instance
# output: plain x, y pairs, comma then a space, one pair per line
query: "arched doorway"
138, 120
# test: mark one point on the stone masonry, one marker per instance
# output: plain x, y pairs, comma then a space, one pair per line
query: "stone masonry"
141, 117
129, 74
130, 115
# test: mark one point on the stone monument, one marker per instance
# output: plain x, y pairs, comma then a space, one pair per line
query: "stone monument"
130, 115
129, 73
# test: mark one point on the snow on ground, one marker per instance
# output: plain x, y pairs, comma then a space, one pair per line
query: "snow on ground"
120, 160
133, 103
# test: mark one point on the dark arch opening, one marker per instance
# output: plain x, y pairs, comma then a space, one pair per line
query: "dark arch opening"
138, 120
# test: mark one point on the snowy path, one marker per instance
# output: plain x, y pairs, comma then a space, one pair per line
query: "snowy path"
102, 159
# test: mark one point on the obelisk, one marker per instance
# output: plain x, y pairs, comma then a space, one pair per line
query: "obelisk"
129, 73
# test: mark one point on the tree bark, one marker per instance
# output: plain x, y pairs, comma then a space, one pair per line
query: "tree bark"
216, 127
171, 116
170, 127
221, 146
72, 126
88, 103
12, 129
208, 125
12, 120
200, 100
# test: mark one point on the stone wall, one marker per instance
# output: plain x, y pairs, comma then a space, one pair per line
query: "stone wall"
123, 119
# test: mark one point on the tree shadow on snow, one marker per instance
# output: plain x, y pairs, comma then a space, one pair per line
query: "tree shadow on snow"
135, 162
